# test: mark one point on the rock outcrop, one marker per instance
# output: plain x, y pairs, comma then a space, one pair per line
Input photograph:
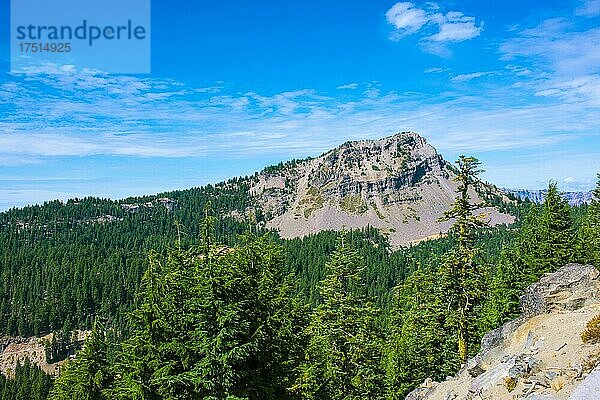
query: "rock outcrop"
540, 355
14, 350
399, 184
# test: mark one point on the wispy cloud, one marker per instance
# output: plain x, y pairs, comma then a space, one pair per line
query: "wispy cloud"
434, 28
566, 60
160, 118
351, 86
589, 8
435, 70
545, 96
471, 76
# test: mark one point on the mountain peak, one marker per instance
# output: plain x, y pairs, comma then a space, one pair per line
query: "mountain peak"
399, 184
408, 137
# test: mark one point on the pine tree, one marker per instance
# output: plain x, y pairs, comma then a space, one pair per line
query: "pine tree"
502, 302
86, 377
461, 276
343, 359
418, 345
29, 382
543, 244
214, 322
554, 244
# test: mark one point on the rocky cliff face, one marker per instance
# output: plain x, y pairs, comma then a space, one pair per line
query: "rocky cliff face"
540, 355
14, 350
398, 184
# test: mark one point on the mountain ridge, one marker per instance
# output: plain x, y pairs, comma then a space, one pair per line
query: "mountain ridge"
537, 196
398, 184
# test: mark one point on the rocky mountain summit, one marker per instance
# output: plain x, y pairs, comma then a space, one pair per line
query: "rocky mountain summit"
540, 355
399, 184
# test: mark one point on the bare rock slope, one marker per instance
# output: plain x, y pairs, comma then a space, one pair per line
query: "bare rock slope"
398, 184
14, 350
540, 355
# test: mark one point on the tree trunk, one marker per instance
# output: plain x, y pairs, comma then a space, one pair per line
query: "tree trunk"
462, 342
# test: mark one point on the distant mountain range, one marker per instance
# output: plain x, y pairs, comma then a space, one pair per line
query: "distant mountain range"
538, 196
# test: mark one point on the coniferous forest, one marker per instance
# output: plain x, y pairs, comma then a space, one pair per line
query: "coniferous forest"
191, 303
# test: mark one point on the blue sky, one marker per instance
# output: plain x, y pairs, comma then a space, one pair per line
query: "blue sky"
239, 85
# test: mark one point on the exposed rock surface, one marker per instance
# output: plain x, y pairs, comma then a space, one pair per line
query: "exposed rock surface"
540, 355
589, 388
15, 350
399, 185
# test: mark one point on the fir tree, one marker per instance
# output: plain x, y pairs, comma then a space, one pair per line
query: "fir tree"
554, 239
544, 243
418, 346
215, 322
343, 357
87, 377
461, 275
29, 382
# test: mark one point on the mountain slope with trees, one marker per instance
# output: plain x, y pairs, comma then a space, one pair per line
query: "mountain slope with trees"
187, 299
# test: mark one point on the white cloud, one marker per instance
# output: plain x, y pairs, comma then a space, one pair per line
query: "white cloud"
589, 8
474, 75
49, 120
435, 70
406, 18
348, 86
455, 27
566, 60
144, 123
436, 29
519, 70
582, 88
555, 44
209, 89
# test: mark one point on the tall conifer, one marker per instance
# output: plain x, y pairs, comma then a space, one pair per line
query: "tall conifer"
343, 356
461, 277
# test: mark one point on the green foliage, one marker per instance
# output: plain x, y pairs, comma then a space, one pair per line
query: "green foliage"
544, 243
305, 259
343, 359
552, 236
28, 383
214, 322
419, 344
354, 204
312, 201
59, 263
87, 376
588, 239
228, 321
60, 346
461, 278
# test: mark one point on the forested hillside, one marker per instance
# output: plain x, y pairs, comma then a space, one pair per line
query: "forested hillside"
63, 264
187, 299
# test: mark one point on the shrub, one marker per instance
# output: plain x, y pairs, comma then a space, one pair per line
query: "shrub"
591, 334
